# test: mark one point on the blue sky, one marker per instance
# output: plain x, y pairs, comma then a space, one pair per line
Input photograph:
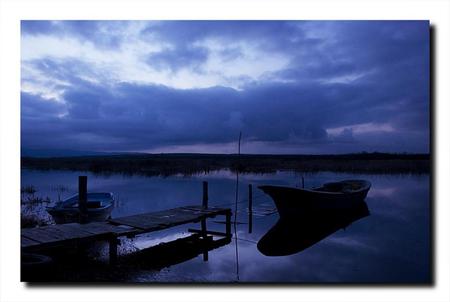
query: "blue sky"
191, 86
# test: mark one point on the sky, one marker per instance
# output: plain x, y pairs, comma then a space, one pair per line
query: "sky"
290, 87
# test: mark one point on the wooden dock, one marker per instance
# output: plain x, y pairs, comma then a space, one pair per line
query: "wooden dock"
77, 234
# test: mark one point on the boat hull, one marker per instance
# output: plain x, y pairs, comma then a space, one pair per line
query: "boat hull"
294, 201
73, 215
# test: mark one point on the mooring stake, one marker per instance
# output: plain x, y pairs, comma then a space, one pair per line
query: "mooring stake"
82, 199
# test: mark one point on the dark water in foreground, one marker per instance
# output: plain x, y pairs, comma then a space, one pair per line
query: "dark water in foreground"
391, 245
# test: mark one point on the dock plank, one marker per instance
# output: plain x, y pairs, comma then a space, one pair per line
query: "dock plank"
62, 233
143, 221
167, 218
43, 236
71, 230
56, 235
99, 228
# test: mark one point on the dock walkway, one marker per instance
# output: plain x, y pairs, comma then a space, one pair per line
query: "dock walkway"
35, 239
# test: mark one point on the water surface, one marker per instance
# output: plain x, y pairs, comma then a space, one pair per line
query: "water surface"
391, 245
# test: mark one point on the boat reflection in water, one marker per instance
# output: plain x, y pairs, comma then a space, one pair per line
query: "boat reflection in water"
308, 216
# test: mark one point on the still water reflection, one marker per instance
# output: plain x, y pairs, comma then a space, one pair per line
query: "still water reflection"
392, 244
291, 234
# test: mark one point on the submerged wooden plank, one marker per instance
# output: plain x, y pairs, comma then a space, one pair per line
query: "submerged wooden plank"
181, 214
206, 211
26, 242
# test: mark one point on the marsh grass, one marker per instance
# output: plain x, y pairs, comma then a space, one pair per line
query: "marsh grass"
32, 208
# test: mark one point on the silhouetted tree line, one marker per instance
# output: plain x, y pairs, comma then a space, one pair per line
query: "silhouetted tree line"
189, 164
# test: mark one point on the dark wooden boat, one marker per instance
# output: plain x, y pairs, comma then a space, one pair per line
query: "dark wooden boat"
334, 195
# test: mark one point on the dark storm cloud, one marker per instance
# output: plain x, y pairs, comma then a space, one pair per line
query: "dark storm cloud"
396, 51
270, 36
182, 32
340, 74
100, 33
179, 57
150, 116
34, 27
141, 117
34, 106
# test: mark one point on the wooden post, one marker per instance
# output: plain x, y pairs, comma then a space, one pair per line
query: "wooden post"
82, 198
204, 233
205, 195
203, 228
113, 250
205, 206
205, 250
228, 224
250, 208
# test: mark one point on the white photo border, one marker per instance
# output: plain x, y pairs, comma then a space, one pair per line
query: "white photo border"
13, 11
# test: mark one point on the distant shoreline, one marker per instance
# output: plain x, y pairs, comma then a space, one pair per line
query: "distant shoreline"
191, 164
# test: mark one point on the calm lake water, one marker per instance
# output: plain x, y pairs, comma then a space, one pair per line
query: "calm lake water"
391, 245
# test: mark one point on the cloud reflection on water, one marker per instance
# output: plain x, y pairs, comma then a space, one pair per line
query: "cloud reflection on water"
391, 245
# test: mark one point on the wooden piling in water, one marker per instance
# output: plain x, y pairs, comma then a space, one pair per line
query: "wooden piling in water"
82, 198
204, 231
204, 205
228, 224
205, 195
113, 243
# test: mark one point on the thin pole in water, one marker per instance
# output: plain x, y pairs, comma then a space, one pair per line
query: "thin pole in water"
250, 208
239, 145
235, 206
